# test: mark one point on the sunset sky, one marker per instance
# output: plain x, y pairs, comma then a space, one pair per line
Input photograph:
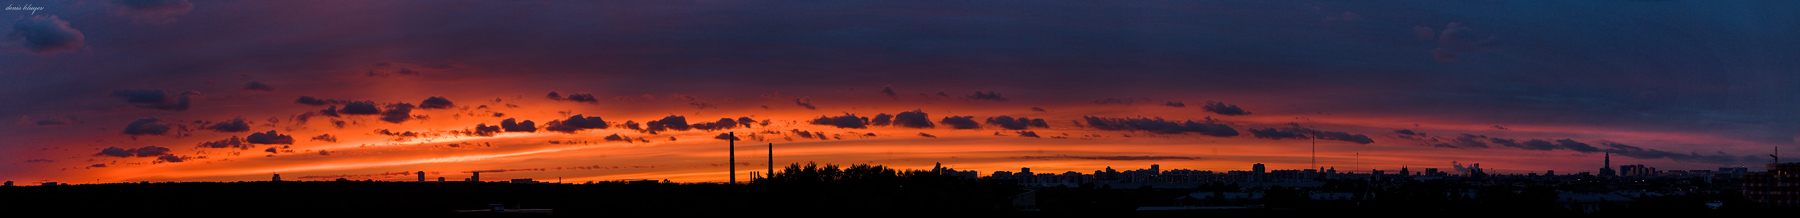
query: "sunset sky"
127, 91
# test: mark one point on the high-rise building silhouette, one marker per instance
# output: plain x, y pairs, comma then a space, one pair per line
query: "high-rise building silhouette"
1607, 170
1257, 172
421, 176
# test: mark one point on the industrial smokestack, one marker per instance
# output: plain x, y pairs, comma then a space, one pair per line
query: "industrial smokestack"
733, 142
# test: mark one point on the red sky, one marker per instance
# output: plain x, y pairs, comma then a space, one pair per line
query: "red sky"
1205, 86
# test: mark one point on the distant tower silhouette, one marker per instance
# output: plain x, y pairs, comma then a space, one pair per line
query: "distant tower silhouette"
421, 176
476, 177
276, 179
771, 160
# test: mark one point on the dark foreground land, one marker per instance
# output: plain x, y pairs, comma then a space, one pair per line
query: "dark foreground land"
808, 191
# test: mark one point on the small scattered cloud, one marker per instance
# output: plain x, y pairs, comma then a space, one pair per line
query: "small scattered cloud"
575, 123
721, 124
617, 138
156, 99
325, 138
146, 151
233, 125
482, 130
1224, 109
847, 121
269, 138
913, 119
1017, 123
927, 135
509, 126
577, 97
436, 102
671, 122
889, 92
961, 122
28, 121
991, 96
1174, 104
170, 158
233, 142
146, 126
882, 119
360, 108
727, 136
397, 113
806, 104
309, 100
258, 86
1028, 134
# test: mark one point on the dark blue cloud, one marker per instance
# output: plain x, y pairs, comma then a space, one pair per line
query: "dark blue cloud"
991, 96
269, 138
1302, 133
913, 119
146, 151
395, 113
44, 34
721, 124
1224, 109
146, 126
510, 126
233, 125
1158, 125
847, 121
961, 122
360, 108
577, 97
436, 102
258, 86
156, 99
671, 122
576, 123
1009, 122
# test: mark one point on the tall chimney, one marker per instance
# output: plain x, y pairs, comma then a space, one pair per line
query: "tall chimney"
732, 140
